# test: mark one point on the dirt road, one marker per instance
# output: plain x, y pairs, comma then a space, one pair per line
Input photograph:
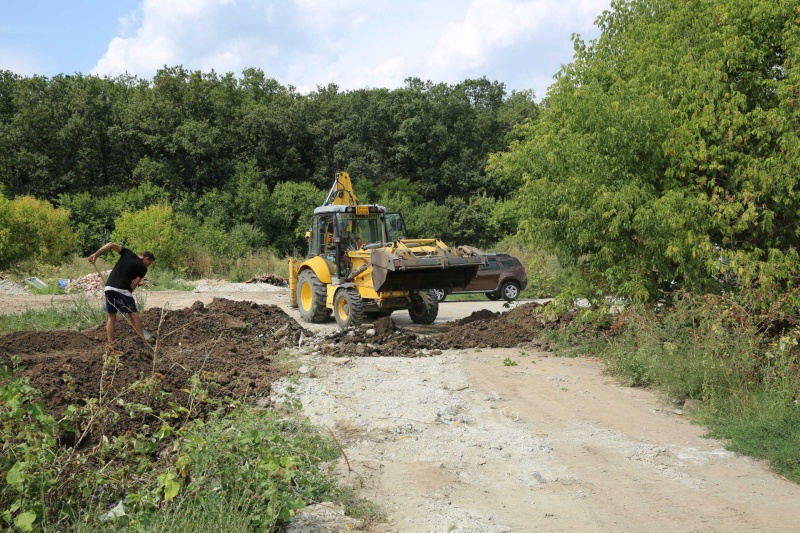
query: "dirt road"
495, 440
462, 442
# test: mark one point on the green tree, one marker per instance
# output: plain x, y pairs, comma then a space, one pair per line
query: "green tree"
666, 145
93, 216
290, 215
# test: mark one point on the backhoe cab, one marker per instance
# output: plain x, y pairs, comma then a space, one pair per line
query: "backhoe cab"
360, 261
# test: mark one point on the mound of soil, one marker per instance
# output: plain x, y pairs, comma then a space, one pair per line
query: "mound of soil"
521, 325
484, 329
229, 345
382, 338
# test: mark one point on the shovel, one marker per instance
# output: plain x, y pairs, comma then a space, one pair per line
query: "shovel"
147, 334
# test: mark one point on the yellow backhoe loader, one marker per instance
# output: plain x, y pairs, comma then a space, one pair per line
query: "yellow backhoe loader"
360, 261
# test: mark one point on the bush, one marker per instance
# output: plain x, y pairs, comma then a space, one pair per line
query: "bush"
32, 229
702, 348
26, 458
290, 215
93, 216
153, 228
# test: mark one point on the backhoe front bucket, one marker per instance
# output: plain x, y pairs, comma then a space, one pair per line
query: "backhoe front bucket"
423, 264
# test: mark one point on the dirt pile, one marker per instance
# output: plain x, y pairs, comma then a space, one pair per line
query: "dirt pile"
381, 338
272, 279
229, 345
483, 329
521, 325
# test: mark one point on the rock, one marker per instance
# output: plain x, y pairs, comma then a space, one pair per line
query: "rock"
321, 518
8, 286
233, 322
691, 405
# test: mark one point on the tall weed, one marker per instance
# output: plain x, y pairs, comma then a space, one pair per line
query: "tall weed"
166, 279
255, 264
698, 348
744, 369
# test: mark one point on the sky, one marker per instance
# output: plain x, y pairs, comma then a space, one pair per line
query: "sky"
354, 44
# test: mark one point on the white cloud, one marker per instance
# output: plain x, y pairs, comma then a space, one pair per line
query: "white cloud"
199, 34
353, 43
490, 25
339, 15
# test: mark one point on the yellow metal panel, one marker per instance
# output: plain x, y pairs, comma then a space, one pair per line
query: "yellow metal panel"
293, 282
330, 295
320, 268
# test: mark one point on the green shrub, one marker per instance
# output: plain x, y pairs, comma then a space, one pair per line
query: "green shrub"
93, 216
700, 348
196, 263
214, 239
32, 229
290, 214
166, 279
152, 228
27, 456
252, 469
256, 264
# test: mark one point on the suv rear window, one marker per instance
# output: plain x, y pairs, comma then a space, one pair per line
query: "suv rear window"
508, 263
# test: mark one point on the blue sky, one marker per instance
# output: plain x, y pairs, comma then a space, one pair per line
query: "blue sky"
304, 43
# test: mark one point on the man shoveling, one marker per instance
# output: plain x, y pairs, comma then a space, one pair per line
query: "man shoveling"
123, 280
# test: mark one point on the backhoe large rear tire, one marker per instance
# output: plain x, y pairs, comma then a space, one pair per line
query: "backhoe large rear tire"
424, 307
348, 308
311, 293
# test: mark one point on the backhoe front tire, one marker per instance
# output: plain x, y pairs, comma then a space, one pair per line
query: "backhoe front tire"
348, 308
311, 293
424, 307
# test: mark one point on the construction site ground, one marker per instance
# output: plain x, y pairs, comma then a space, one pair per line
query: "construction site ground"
470, 424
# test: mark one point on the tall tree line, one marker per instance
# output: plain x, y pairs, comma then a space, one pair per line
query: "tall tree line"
186, 132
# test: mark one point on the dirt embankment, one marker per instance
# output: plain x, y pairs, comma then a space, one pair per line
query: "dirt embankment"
469, 424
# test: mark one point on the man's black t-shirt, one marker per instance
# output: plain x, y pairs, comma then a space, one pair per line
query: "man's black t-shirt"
128, 268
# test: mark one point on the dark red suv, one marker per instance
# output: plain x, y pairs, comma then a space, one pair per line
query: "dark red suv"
504, 276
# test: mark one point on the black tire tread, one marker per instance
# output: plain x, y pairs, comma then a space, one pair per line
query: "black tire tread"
356, 304
318, 313
424, 307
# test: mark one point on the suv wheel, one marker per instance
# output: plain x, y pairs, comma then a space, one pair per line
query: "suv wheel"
441, 294
493, 295
510, 290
